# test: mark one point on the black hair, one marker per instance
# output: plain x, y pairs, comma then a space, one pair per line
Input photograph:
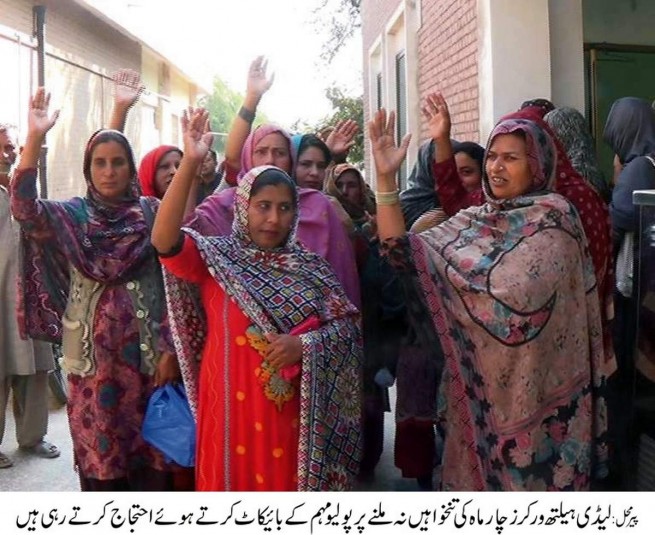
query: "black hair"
275, 177
311, 140
472, 149
214, 155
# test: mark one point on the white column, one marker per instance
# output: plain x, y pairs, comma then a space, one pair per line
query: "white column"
514, 57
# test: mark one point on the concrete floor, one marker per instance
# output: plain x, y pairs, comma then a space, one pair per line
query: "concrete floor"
34, 473
31, 473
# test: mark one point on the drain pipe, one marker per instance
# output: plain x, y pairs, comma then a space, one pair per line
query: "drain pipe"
38, 31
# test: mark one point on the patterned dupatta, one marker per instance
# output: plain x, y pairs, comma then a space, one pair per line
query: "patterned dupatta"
511, 291
278, 290
106, 242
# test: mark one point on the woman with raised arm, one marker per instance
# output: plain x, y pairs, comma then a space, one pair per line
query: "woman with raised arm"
283, 341
441, 160
511, 292
320, 228
93, 283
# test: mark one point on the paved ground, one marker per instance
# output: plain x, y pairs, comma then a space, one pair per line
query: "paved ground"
30, 473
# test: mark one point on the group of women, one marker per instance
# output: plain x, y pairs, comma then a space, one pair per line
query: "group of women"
291, 298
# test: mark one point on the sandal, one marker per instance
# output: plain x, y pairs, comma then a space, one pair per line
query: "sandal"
5, 462
44, 449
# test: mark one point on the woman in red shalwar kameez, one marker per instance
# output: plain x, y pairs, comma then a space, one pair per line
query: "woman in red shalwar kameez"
277, 394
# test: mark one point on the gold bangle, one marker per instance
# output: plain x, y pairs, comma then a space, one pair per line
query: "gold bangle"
387, 198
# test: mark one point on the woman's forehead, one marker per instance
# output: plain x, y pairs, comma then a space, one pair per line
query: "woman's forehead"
274, 139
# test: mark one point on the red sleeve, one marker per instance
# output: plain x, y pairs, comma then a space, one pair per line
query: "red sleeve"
450, 191
187, 264
231, 174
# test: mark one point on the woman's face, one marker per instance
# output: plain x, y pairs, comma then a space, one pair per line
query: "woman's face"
208, 167
270, 216
310, 169
469, 171
110, 170
507, 167
165, 172
349, 185
272, 149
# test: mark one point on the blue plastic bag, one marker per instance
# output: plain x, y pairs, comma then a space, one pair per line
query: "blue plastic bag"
169, 425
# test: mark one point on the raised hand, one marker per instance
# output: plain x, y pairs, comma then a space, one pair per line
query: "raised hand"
386, 154
127, 87
436, 112
195, 133
342, 138
258, 81
38, 119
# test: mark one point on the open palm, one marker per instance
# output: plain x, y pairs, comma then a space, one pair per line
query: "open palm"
342, 138
39, 120
437, 114
195, 132
258, 81
387, 156
127, 86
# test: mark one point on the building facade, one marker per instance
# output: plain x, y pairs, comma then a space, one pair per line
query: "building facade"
488, 56
83, 48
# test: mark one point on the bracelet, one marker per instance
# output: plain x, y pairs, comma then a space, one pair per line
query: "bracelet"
387, 198
246, 115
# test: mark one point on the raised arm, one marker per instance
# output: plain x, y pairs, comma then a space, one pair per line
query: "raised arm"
437, 114
39, 122
126, 92
451, 193
24, 199
341, 139
197, 139
388, 157
258, 84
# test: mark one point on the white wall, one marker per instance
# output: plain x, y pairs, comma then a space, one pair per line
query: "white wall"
626, 22
567, 53
399, 34
514, 56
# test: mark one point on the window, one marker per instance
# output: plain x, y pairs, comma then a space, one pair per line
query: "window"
401, 110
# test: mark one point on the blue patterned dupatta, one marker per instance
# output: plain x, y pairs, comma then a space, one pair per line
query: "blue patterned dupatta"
278, 290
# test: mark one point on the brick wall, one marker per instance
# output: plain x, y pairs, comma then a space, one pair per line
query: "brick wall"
448, 52
447, 58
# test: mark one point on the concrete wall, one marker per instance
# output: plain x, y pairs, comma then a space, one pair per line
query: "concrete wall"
627, 22
514, 56
376, 15
82, 53
567, 53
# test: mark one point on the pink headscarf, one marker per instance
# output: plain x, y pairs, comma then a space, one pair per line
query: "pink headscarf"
319, 228
253, 140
